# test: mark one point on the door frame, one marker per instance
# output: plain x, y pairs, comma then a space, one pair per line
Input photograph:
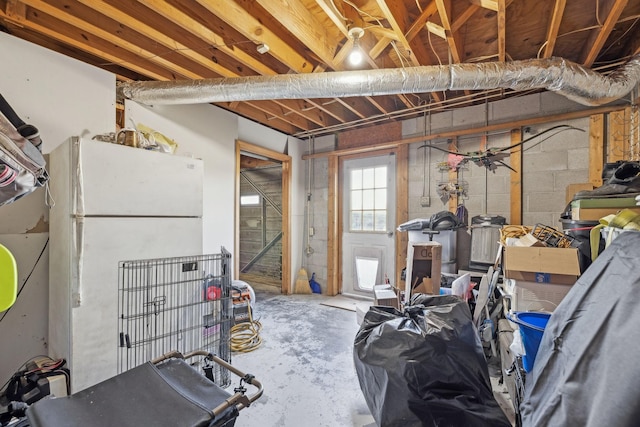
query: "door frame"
285, 161
335, 215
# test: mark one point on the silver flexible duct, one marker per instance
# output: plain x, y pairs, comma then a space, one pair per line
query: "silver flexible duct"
555, 74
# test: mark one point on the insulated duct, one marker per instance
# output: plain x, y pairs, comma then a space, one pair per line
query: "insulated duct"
575, 82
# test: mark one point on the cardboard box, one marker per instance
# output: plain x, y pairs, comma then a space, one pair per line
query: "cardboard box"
424, 265
594, 214
572, 189
386, 295
532, 296
542, 265
529, 240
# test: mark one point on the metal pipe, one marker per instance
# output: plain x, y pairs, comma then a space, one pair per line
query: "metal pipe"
574, 81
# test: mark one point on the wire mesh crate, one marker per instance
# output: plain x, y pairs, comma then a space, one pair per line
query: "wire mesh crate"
181, 303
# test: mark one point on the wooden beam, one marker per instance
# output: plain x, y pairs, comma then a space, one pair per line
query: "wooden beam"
516, 178
598, 37
329, 8
464, 17
158, 36
111, 38
618, 135
402, 207
502, 30
98, 53
299, 20
554, 27
16, 10
449, 35
193, 26
398, 29
436, 30
596, 149
487, 4
421, 20
333, 235
243, 22
199, 30
471, 131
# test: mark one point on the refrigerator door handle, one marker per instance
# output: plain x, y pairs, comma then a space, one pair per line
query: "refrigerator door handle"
76, 290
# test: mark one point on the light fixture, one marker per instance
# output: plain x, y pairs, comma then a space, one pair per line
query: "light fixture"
355, 56
263, 48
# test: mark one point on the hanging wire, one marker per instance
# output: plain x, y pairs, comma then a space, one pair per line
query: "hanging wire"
310, 171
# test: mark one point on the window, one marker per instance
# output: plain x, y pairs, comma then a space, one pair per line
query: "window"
250, 200
368, 210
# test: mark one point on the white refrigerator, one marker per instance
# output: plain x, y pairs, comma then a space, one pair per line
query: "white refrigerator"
112, 203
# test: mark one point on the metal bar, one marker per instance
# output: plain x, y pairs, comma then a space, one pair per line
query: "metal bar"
262, 252
262, 193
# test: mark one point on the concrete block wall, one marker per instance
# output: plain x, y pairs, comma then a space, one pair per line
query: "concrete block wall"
547, 167
315, 259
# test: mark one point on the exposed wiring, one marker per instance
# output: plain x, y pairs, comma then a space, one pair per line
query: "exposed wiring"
245, 336
53, 365
432, 49
513, 231
27, 279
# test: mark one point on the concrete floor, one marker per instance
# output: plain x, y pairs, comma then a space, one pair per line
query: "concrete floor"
306, 366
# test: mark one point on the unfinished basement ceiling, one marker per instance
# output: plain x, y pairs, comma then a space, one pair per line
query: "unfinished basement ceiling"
193, 40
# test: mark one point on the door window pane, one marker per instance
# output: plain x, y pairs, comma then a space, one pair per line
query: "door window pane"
367, 220
381, 177
381, 221
368, 178
368, 205
356, 179
356, 200
367, 199
356, 220
380, 202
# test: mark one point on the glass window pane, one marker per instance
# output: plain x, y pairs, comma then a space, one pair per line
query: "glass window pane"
381, 220
356, 179
366, 272
367, 199
367, 178
356, 221
367, 220
356, 200
381, 177
381, 199
253, 199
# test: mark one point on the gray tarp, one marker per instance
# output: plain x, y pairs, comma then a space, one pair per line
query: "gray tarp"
587, 371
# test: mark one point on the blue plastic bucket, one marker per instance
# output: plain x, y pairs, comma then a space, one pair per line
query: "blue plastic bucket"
532, 326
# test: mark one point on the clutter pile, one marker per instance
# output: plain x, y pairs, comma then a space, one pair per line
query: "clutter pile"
510, 308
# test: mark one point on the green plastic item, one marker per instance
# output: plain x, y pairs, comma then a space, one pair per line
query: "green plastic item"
8, 279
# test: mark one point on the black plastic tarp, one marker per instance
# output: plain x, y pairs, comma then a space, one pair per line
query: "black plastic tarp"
425, 367
586, 371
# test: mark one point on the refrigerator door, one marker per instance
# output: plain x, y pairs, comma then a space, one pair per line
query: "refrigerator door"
116, 180
87, 333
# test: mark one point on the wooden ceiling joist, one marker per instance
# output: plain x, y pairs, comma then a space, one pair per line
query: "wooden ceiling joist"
599, 37
554, 27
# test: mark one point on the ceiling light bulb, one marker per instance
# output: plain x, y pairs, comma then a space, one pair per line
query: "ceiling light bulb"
356, 55
263, 48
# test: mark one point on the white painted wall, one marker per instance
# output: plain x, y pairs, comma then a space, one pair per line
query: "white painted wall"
63, 97
209, 133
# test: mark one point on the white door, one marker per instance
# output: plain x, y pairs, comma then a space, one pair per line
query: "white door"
368, 244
